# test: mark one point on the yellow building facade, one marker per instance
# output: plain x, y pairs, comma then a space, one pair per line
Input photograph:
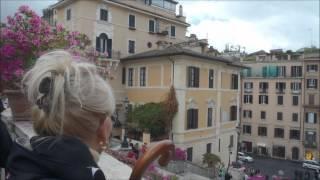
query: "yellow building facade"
214, 103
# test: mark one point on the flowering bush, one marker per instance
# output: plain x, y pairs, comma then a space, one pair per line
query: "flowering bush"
180, 154
25, 37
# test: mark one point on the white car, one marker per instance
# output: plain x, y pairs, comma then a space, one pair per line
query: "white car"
310, 164
244, 157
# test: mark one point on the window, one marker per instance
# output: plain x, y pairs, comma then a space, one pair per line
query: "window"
209, 123
262, 131
231, 141
248, 86
294, 134
278, 132
132, 21
280, 100
143, 76
247, 99
311, 117
247, 113
310, 137
312, 68
279, 116
295, 117
68, 14
296, 71
173, 31
278, 151
234, 81
263, 115
103, 15
123, 75
281, 71
131, 47
151, 26
295, 86
193, 76
104, 44
233, 113
280, 87
189, 154
263, 87
130, 77
311, 99
192, 119
295, 100
263, 99
246, 129
312, 83
211, 78
209, 148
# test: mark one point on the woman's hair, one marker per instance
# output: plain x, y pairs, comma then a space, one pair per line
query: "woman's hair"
68, 96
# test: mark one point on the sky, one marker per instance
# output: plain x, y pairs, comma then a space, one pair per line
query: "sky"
252, 24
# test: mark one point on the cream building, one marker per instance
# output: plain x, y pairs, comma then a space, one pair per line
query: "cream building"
123, 27
273, 110
311, 105
141, 33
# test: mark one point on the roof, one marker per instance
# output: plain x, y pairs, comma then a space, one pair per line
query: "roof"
119, 3
173, 50
258, 53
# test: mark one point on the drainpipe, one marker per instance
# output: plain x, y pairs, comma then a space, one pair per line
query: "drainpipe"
172, 84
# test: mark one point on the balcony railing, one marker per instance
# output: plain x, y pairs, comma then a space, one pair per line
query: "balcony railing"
263, 90
248, 90
280, 91
295, 91
312, 145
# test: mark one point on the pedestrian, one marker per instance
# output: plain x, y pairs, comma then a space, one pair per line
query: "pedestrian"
5, 139
71, 109
144, 148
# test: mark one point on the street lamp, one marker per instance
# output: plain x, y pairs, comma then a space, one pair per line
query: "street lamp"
230, 152
125, 143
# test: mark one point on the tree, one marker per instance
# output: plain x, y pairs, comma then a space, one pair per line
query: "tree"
210, 159
170, 105
148, 117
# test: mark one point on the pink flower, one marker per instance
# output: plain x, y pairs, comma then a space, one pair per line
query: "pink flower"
23, 8
59, 28
19, 72
7, 50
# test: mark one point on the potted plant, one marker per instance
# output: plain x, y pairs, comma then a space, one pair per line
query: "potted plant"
23, 39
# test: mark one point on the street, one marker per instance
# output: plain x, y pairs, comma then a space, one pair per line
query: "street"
268, 166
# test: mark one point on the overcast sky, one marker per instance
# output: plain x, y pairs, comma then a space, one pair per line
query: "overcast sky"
253, 24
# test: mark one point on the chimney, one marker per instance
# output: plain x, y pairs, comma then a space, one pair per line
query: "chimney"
180, 11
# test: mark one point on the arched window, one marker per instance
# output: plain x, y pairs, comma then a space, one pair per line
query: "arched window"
295, 153
104, 44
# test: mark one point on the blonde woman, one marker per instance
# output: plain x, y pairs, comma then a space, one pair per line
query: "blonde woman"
71, 112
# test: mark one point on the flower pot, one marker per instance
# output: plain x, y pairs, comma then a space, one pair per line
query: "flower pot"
20, 107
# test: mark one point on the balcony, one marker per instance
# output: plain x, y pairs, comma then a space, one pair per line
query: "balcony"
312, 145
280, 91
295, 91
248, 90
263, 90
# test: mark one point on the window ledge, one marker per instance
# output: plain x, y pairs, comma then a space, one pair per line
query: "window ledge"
132, 28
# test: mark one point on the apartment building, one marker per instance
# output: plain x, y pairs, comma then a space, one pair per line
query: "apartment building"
207, 90
311, 105
122, 27
275, 120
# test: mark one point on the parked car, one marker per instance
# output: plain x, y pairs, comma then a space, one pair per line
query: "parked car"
310, 164
244, 157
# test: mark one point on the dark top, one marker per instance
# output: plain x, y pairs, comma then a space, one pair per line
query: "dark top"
5, 140
52, 158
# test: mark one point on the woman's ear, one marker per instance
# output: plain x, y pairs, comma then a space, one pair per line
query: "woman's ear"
104, 130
